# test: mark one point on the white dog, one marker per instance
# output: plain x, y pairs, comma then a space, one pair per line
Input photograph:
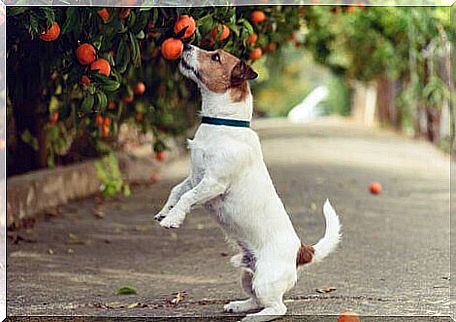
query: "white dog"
228, 176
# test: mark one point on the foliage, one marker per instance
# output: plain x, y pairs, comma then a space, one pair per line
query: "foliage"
47, 77
108, 172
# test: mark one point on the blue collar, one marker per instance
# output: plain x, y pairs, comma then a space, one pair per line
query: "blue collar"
227, 122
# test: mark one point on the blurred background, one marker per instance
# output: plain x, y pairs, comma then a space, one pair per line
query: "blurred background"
387, 66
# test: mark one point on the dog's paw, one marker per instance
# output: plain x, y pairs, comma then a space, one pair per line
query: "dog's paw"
173, 219
241, 306
160, 216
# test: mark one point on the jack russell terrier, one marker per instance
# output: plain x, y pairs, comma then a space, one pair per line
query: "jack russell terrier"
229, 177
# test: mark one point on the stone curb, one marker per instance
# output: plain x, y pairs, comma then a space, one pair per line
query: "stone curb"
31, 194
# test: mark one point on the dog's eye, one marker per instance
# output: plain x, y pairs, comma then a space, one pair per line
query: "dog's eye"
216, 57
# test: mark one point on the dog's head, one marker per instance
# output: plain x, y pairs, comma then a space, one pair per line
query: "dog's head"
217, 71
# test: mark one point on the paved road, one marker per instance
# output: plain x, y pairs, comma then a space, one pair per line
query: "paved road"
394, 258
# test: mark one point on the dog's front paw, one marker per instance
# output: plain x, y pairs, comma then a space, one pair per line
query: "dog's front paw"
173, 220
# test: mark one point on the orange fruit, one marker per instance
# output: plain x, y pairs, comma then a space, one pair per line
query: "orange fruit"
272, 46
104, 14
140, 88
85, 80
54, 117
185, 21
86, 54
225, 33
252, 38
124, 13
256, 54
160, 156
172, 48
351, 9
257, 16
99, 120
105, 131
107, 121
348, 317
127, 99
375, 188
102, 65
52, 33
112, 105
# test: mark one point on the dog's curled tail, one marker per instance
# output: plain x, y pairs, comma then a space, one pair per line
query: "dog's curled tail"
314, 254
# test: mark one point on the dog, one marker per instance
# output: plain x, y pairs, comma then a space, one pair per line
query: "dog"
229, 177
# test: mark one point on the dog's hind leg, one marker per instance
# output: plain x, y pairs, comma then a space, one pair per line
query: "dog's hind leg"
269, 284
245, 305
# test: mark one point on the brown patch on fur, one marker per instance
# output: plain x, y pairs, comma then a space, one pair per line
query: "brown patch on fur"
226, 73
305, 255
239, 93
216, 75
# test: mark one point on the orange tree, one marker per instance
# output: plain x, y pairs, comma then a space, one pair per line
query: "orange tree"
75, 74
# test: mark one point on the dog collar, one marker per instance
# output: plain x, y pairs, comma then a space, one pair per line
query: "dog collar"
227, 122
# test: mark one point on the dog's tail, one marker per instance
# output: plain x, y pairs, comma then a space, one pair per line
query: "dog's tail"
314, 254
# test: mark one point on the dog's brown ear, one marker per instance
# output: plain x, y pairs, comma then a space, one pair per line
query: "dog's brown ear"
241, 73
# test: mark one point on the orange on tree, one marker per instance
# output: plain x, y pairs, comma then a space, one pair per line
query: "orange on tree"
172, 48
54, 118
225, 32
86, 54
139, 88
124, 13
127, 99
256, 54
85, 80
99, 120
252, 38
348, 317
102, 65
105, 131
107, 121
185, 21
257, 16
160, 156
52, 33
104, 14
272, 46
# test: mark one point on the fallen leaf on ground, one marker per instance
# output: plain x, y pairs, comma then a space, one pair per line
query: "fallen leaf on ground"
178, 297
327, 289
98, 212
70, 251
136, 305
17, 238
126, 291
74, 240
224, 254
50, 251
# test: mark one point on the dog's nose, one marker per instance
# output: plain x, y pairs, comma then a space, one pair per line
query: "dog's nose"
187, 47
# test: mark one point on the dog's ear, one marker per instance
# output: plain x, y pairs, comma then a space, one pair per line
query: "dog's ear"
241, 73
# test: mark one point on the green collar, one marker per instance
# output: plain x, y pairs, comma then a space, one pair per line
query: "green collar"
226, 122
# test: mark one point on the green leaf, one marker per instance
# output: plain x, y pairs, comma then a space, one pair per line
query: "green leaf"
87, 103
126, 291
102, 100
14, 11
72, 19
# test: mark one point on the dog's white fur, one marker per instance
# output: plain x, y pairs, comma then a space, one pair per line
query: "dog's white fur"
228, 176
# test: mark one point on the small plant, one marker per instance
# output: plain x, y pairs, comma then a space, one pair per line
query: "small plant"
108, 172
